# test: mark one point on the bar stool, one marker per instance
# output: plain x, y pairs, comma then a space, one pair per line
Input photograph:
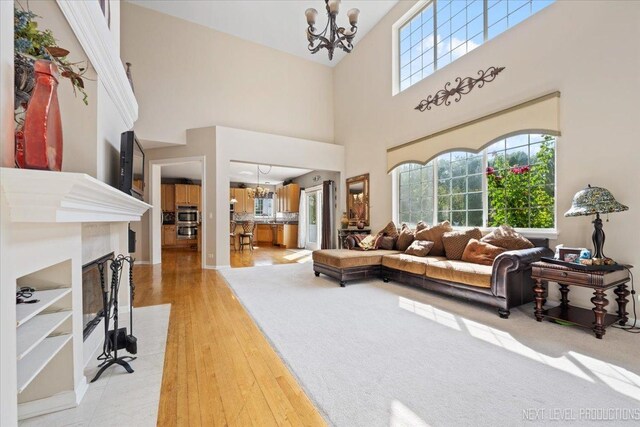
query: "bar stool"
247, 233
233, 235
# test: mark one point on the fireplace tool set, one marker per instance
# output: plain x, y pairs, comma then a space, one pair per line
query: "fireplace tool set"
117, 338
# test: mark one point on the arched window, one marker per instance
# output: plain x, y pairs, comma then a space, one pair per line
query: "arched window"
510, 182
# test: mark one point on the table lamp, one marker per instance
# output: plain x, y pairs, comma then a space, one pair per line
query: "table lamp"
595, 201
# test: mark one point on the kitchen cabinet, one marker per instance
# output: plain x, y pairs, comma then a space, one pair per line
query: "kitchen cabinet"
245, 203
288, 198
287, 235
264, 233
169, 236
187, 195
168, 198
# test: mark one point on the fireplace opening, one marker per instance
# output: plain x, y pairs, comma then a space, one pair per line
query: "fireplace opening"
92, 303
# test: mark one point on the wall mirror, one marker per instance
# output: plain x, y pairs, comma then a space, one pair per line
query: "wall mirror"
358, 199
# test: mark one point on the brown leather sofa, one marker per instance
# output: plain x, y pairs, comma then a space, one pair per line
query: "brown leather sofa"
505, 284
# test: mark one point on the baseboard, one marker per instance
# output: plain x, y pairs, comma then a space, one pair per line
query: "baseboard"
143, 262
216, 267
58, 402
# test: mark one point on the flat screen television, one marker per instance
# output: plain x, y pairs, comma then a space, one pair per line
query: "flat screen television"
131, 165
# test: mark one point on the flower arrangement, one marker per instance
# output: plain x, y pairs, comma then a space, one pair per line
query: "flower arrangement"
31, 44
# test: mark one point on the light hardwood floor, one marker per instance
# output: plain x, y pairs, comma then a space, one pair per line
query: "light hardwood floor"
266, 254
219, 369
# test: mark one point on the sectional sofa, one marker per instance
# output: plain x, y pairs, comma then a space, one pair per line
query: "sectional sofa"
505, 284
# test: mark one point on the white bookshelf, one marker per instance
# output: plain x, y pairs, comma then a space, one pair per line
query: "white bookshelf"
32, 333
34, 362
25, 312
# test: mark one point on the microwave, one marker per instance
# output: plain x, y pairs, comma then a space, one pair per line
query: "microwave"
187, 214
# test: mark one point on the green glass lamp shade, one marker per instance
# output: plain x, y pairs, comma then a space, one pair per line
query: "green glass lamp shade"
594, 200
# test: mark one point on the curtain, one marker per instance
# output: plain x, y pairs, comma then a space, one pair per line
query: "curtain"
328, 215
302, 220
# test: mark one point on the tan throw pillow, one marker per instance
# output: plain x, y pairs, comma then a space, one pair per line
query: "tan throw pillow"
405, 238
507, 238
479, 252
387, 243
368, 243
434, 234
421, 225
419, 248
455, 241
390, 230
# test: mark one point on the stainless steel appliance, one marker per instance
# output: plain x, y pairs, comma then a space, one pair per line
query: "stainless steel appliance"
168, 218
187, 214
187, 231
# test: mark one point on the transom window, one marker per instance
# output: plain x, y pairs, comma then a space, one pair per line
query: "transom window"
444, 30
510, 182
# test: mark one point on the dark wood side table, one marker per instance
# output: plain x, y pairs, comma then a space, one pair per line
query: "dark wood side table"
597, 318
343, 233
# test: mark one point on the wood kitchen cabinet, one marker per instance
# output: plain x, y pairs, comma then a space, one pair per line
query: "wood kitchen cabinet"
264, 233
168, 197
288, 198
287, 235
187, 195
169, 236
245, 203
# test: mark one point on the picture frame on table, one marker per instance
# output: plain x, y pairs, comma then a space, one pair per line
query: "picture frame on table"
569, 254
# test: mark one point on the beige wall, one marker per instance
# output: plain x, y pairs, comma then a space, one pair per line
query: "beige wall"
189, 76
586, 50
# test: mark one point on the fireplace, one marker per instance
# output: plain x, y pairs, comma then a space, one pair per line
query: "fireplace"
92, 302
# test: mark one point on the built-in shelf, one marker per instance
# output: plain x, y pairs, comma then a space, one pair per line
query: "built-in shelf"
37, 329
24, 312
31, 365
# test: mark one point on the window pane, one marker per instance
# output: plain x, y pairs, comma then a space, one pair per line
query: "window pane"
474, 201
474, 183
416, 193
474, 219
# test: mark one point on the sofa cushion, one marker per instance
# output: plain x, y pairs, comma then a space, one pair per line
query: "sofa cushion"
405, 238
460, 272
387, 242
481, 252
455, 241
389, 230
410, 263
434, 234
508, 238
344, 258
419, 248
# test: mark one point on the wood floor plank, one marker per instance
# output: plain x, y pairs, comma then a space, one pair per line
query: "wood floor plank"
219, 369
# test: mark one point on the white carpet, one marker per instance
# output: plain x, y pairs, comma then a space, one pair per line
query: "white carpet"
375, 354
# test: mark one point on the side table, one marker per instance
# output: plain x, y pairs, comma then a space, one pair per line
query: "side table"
343, 233
597, 318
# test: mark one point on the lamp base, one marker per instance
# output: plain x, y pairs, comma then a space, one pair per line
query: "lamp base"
598, 238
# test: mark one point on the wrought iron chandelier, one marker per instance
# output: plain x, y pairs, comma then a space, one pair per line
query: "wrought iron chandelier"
259, 192
332, 36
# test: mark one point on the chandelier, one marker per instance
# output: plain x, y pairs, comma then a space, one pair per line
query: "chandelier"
332, 36
259, 192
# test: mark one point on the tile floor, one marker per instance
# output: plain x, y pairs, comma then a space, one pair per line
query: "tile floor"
119, 398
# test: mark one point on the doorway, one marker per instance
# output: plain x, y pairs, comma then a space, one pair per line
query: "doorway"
313, 221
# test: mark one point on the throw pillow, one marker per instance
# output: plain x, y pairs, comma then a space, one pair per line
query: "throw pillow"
479, 252
455, 241
387, 243
434, 234
353, 241
419, 248
507, 238
421, 225
368, 243
405, 238
390, 230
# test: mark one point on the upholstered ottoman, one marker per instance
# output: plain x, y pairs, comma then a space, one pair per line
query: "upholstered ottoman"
345, 264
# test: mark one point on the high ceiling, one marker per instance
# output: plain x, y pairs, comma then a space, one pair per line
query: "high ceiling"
188, 170
280, 24
248, 173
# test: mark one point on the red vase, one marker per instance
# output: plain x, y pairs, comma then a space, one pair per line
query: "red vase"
39, 142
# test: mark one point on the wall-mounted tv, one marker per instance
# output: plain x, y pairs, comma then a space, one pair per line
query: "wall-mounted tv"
131, 165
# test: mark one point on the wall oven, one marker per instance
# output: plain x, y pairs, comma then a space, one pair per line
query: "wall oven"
187, 232
187, 214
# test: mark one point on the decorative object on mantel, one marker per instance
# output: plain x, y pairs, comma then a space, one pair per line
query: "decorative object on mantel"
128, 64
344, 221
332, 36
259, 192
38, 133
463, 87
595, 201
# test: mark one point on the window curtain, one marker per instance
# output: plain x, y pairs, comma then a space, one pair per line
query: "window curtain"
328, 215
302, 220
539, 115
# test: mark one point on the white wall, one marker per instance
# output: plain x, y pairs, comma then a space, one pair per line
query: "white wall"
189, 76
585, 49
6, 84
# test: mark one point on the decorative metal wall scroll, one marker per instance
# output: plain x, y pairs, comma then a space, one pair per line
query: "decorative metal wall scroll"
463, 87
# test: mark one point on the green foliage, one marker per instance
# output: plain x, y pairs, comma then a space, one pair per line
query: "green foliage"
522, 196
33, 43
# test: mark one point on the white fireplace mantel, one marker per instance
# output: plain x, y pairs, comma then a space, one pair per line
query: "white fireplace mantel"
44, 196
